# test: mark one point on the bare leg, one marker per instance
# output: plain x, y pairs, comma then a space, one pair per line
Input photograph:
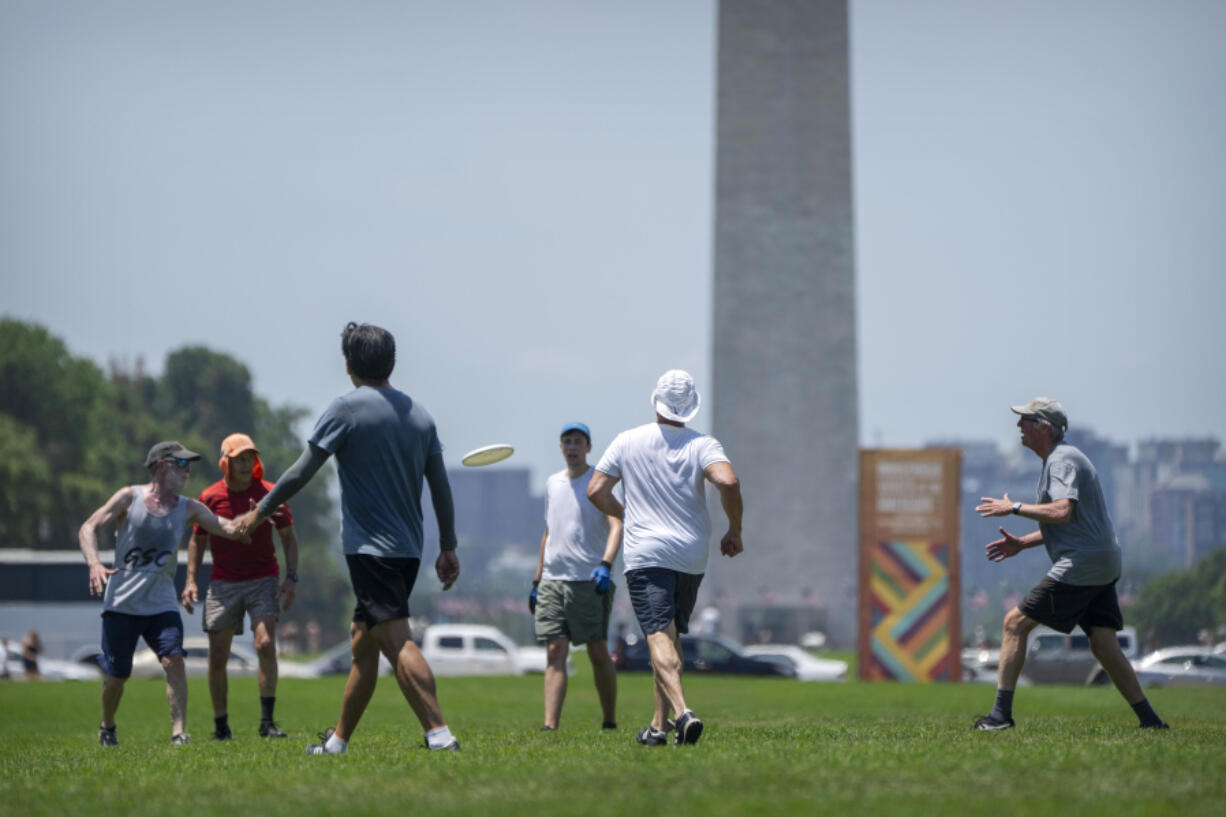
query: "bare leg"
412, 672
1017, 629
555, 679
176, 693
363, 675
219, 654
1106, 649
112, 693
605, 674
265, 631
665, 649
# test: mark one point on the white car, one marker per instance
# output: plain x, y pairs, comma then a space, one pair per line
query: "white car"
243, 662
808, 667
478, 649
1182, 666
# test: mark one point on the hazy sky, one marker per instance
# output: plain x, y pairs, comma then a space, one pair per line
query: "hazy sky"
521, 192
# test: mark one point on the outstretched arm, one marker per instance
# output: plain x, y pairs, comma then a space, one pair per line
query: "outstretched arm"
292, 481
1059, 512
725, 480
1010, 545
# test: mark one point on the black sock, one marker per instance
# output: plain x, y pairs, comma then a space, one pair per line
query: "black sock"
266, 705
221, 723
1146, 713
1003, 709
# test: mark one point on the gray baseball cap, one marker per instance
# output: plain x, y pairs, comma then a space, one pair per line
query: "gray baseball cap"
1045, 409
167, 450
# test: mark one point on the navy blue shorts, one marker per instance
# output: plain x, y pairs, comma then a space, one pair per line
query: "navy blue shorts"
382, 586
661, 596
120, 632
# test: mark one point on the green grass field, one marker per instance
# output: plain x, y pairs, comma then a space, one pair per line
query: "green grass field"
770, 746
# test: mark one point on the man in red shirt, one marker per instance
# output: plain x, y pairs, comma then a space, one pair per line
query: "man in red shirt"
244, 580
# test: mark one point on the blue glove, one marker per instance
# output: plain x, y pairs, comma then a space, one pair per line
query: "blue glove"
600, 575
532, 599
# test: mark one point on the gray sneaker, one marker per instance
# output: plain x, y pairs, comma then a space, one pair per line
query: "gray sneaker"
651, 736
452, 746
181, 739
689, 728
106, 737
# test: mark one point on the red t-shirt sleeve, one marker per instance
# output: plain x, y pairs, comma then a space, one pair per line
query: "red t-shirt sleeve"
209, 498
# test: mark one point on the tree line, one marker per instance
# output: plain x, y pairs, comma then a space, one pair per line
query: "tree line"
72, 434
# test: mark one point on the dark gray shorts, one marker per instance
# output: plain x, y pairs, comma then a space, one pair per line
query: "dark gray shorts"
661, 596
1064, 606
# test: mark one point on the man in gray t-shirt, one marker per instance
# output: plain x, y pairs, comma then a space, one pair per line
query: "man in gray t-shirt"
385, 445
1079, 589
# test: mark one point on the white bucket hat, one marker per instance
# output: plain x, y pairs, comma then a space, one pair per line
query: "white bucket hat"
675, 397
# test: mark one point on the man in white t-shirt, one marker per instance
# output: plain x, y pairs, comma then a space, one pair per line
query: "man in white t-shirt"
572, 595
663, 467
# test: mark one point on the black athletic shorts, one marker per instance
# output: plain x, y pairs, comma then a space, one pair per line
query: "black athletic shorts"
661, 596
382, 587
1064, 606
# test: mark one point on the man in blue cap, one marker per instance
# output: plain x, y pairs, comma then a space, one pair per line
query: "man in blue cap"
572, 595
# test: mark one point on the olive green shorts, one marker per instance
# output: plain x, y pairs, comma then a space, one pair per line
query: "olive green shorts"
572, 610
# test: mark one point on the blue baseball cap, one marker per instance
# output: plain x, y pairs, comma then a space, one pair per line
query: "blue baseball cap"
576, 427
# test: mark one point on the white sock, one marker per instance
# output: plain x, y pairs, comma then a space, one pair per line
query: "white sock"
335, 746
438, 738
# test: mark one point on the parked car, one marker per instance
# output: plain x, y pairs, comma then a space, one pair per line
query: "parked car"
242, 662
1176, 667
478, 649
706, 653
805, 665
1056, 658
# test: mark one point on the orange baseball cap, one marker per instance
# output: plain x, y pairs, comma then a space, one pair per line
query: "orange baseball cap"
234, 445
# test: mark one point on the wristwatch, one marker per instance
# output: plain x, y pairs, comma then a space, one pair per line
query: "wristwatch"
293, 577
1017, 508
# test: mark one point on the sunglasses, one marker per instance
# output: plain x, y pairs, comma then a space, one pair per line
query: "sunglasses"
180, 462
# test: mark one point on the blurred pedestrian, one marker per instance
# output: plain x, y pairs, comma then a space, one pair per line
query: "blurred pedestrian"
31, 646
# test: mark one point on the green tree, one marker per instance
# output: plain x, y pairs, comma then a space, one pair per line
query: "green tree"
1175, 607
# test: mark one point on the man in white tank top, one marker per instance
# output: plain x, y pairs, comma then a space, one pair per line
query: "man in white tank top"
139, 599
664, 467
572, 595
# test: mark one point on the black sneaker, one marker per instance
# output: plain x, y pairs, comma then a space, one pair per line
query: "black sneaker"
689, 728
318, 748
608, 725
106, 737
181, 739
989, 724
268, 729
651, 736
1158, 725
223, 733
548, 728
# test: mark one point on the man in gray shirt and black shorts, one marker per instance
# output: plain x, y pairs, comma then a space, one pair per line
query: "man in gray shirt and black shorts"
1079, 589
385, 444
